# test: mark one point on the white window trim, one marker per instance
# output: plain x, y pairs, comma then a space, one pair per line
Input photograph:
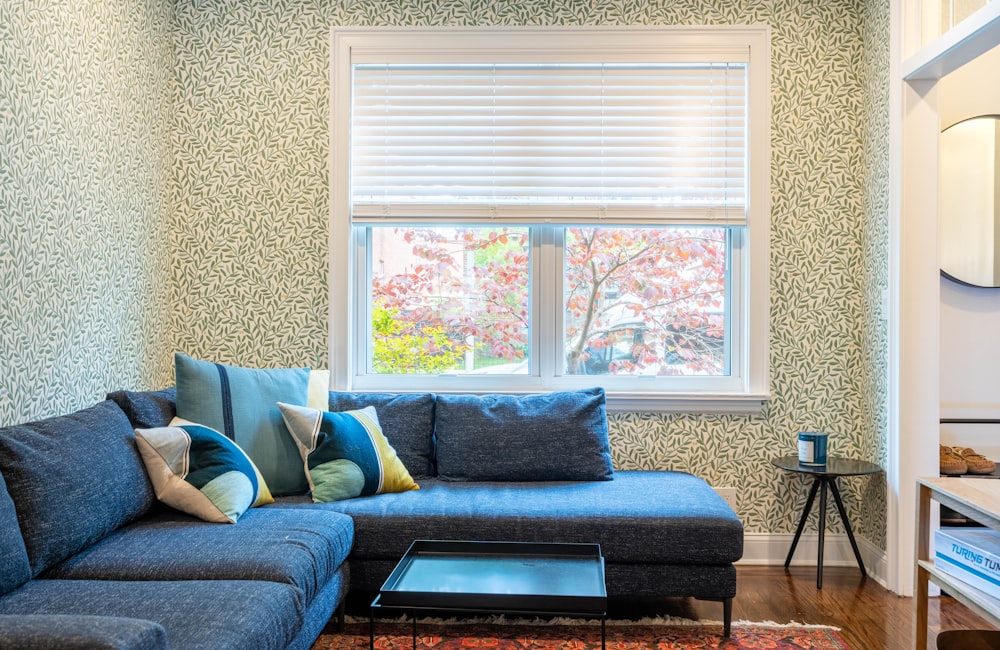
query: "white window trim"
479, 44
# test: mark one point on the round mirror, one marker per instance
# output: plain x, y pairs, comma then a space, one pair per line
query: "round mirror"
969, 231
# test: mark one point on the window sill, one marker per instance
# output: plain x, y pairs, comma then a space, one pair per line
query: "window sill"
708, 403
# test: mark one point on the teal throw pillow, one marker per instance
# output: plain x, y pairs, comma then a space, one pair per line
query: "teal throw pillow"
345, 453
199, 471
242, 404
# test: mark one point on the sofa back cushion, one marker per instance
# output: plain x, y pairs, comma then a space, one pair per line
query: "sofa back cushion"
73, 479
147, 409
14, 567
559, 436
407, 422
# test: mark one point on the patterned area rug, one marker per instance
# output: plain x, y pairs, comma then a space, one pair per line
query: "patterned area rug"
582, 636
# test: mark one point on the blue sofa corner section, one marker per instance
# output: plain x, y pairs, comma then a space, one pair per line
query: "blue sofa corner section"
90, 559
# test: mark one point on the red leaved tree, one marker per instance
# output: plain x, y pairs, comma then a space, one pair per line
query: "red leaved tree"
636, 300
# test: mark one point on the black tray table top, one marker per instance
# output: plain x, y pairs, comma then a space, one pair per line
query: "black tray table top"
499, 577
548, 579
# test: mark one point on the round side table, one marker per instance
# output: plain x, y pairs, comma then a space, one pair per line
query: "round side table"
825, 476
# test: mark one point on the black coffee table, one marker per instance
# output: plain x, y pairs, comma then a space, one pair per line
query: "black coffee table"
532, 579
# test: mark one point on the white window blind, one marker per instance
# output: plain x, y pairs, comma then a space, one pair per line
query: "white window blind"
580, 143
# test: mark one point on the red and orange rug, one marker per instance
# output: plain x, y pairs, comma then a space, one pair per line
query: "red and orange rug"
515, 636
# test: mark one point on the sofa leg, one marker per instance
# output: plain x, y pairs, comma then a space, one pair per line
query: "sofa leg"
340, 616
727, 616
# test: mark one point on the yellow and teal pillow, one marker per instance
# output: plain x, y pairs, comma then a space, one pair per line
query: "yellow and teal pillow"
197, 470
345, 453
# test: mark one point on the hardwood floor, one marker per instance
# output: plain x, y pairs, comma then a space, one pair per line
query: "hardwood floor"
869, 616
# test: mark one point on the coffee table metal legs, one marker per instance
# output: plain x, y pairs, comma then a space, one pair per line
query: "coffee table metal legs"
820, 484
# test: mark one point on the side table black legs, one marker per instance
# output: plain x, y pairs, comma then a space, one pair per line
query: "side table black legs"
825, 476
820, 483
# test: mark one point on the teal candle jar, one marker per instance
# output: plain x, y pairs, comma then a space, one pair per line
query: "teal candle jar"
812, 448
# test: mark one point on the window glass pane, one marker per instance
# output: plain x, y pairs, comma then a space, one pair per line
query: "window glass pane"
646, 301
449, 300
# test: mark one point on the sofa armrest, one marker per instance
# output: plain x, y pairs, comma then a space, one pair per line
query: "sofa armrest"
46, 631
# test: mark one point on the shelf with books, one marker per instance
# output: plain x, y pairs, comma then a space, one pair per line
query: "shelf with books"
977, 500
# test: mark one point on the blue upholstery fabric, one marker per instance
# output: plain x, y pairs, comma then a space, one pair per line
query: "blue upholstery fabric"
197, 615
407, 423
300, 548
242, 404
622, 580
321, 607
640, 517
147, 409
14, 567
74, 479
548, 437
80, 633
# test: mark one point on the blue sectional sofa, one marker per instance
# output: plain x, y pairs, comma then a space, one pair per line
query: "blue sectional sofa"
90, 559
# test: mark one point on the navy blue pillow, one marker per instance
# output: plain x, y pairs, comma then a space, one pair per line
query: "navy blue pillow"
407, 421
74, 479
559, 436
14, 569
147, 409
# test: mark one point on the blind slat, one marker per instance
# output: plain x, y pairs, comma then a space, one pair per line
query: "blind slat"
586, 142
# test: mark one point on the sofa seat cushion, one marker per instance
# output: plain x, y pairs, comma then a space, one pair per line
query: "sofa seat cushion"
641, 517
74, 479
301, 548
80, 633
209, 614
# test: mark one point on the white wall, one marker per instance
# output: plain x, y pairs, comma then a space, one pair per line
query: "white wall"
970, 316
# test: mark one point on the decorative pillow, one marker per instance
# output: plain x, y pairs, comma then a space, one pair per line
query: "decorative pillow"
14, 567
242, 404
407, 421
345, 453
74, 479
560, 436
147, 409
201, 472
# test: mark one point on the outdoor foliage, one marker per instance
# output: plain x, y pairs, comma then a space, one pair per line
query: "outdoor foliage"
637, 301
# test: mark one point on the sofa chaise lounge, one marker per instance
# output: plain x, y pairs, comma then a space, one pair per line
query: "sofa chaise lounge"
89, 558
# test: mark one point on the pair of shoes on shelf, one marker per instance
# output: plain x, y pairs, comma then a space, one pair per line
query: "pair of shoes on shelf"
951, 463
976, 463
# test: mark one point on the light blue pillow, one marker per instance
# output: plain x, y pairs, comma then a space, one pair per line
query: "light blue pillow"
561, 436
199, 471
242, 404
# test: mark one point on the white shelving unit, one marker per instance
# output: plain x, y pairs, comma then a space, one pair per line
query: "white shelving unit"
976, 499
975, 35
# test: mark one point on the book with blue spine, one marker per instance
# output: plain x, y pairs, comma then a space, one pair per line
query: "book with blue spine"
970, 554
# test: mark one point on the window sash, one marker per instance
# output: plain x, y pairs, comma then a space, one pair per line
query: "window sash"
546, 345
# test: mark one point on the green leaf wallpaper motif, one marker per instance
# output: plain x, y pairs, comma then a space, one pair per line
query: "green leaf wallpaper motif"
252, 108
163, 186
85, 172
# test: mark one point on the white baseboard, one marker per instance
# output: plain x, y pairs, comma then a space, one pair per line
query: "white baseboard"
771, 549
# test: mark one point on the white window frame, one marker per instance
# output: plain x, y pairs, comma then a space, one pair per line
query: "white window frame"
746, 391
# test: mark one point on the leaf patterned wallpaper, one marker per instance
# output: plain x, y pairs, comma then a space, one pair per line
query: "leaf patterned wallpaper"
164, 166
251, 231
85, 174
